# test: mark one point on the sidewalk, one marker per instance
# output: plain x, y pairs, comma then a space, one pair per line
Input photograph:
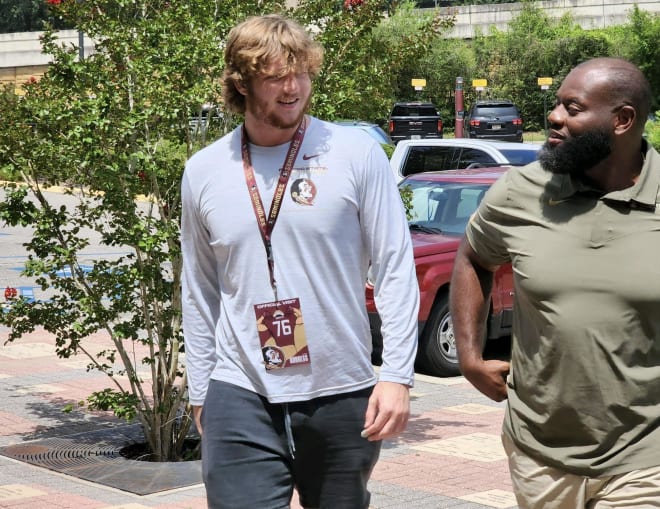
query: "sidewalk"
450, 456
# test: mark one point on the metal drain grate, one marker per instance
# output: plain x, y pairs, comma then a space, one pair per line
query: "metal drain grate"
95, 456
58, 453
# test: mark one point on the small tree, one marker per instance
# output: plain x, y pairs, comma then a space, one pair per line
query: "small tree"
112, 128
115, 129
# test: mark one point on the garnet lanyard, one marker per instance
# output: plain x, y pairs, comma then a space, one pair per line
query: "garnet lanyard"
266, 225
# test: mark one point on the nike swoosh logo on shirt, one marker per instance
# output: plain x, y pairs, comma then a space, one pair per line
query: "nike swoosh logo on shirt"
553, 202
308, 157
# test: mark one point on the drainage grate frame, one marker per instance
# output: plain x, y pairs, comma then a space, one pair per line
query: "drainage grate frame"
95, 456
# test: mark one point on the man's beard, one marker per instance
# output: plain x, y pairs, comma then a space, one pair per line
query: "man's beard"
260, 110
575, 155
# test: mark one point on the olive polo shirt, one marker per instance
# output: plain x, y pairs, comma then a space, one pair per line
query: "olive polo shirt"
584, 387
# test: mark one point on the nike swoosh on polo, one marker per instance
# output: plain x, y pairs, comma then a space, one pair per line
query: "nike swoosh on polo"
308, 157
552, 202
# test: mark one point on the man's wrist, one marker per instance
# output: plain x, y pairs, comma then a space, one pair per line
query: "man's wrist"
397, 379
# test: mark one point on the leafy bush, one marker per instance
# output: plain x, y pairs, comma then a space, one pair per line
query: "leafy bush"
652, 131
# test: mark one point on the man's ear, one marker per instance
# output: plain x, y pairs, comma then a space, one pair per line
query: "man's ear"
240, 86
625, 119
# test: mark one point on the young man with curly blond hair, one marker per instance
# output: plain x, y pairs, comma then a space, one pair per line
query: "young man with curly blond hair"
281, 220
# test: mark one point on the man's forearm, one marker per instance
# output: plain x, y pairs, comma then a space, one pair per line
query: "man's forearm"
470, 290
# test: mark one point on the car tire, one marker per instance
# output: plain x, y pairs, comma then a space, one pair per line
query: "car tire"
436, 353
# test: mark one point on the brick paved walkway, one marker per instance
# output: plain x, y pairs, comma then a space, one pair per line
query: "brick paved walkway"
450, 456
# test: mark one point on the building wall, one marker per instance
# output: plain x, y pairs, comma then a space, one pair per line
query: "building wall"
589, 14
16, 76
21, 57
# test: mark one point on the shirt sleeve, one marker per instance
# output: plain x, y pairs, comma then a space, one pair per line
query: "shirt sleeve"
396, 292
485, 231
200, 295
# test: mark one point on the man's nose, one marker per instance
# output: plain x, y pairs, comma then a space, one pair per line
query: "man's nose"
290, 83
556, 115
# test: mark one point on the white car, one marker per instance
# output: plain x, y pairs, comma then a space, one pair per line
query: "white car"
416, 156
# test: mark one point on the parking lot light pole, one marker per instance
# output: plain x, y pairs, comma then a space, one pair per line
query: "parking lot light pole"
460, 113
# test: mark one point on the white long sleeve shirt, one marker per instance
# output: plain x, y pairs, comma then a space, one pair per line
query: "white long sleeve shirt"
323, 242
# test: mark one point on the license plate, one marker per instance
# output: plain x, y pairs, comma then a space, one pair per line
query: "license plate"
416, 137
496, 127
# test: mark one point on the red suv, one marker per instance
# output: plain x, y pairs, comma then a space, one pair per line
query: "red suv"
441, 204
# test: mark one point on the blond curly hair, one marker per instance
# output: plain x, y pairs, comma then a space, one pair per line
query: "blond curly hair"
257, 42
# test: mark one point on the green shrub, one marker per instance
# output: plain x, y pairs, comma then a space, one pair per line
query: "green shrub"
652, 131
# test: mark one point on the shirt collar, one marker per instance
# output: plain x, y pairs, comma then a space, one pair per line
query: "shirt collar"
644, 192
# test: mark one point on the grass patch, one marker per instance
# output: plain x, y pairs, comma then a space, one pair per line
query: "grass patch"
529, 137
534, 137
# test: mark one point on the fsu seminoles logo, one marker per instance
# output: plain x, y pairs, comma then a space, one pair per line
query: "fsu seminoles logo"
273, 357
303, 192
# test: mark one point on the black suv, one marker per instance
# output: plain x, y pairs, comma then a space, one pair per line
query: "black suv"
414, 121
494, 119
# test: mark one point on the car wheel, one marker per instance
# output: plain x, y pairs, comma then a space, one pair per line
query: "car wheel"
437, 349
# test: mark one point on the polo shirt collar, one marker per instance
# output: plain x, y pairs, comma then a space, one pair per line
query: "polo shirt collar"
644, 191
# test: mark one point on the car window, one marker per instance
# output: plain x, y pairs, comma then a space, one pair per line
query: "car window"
474, 157
444, 206
425, 202
429, 158
520, 157
414, 111
427, 111
495, 111
468, 202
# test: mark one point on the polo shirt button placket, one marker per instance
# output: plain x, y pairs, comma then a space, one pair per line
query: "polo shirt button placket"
599, 232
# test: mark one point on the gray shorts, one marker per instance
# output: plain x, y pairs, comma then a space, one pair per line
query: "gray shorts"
255, 452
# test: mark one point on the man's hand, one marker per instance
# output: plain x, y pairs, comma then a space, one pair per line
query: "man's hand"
387, 412
489, 377
197, 417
